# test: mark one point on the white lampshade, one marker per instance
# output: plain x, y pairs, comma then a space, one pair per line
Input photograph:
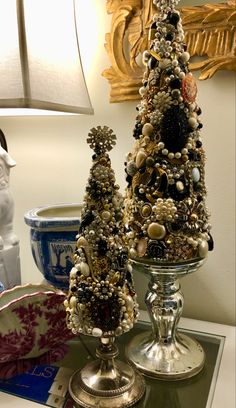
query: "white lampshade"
40, 66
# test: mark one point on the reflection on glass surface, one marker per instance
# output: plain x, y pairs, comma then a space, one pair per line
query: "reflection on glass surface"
196, 392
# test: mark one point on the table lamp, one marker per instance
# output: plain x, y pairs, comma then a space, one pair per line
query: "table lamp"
40, 69
40, 66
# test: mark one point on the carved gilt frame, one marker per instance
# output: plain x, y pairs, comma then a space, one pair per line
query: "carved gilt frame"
210, 33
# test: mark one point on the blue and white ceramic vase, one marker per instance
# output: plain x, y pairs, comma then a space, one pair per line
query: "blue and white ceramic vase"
53, 240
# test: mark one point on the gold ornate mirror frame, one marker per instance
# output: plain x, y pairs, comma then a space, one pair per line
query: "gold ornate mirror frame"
210, 32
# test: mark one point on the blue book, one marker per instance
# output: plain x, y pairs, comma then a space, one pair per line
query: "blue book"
44, 384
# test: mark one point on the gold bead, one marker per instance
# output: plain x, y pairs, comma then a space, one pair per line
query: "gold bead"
193, 217
115, 278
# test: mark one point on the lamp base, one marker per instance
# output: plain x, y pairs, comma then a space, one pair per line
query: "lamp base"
106, 382
181, 358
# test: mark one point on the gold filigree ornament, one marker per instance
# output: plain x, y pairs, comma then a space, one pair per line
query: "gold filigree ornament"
101, 266
101, 139
210, 34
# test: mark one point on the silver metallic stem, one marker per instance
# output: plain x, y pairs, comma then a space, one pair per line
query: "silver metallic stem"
164, 302
106, 382
166, 353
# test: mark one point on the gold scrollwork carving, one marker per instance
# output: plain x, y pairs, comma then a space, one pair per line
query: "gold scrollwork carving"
209, 31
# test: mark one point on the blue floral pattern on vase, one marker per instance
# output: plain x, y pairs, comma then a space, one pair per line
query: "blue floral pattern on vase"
53, 240
53, 255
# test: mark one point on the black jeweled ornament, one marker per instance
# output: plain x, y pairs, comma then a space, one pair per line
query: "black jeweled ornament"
210, 243
176, 194
102, 247
86, 220
175, 83
174, 129
105, 314
137, 130
173, 19
156, 249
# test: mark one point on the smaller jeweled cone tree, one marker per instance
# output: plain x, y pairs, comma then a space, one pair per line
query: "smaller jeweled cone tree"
166, 214
101, 300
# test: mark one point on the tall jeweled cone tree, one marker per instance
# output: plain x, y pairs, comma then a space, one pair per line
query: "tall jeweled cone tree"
101, 300
166, 214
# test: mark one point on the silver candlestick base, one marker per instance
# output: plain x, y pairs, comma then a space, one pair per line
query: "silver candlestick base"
106, 382
165, 353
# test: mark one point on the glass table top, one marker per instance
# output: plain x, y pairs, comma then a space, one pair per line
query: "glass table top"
196, 392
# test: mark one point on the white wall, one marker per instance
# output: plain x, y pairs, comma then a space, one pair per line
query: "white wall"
53, 162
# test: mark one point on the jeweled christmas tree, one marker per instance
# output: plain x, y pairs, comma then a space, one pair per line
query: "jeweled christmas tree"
168, 230
166, 196
102, 300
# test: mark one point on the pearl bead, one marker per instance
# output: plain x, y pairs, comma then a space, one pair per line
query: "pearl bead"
195, 174
118, 331
73, 302
106, 215
156, 231
179, 186
73, 272
177, 155
177, 70
185, 56
203, 249
96, 332
142, 91
192, 106
193, 122
175, 93
147, 129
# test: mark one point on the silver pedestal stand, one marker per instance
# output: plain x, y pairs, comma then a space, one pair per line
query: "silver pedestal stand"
106, 382
165, 353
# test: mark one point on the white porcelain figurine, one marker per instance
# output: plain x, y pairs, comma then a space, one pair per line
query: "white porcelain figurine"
9, 243
7, 236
